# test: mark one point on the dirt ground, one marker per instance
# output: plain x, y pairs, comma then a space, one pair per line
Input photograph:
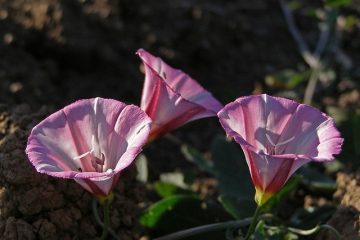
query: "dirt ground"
53, 52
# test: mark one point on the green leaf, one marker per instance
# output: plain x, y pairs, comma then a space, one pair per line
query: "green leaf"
228, 165
291, 236
260, 231
317, 181
236, 206
156, 212
350, 22
231, 169
286, 79
294, 5
338, 3
197, 158
308, 218
165, 189
180, 212
263, 232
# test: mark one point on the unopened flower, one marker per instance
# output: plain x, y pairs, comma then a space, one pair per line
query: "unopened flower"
171, 98
278, 136
90, 141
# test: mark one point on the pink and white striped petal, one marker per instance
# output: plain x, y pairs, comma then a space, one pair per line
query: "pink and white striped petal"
90, 141
172, 98
278, 136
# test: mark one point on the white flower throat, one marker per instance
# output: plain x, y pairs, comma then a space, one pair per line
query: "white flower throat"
273, 150
97, 157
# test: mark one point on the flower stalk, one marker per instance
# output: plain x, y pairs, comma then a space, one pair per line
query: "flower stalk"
105, 202
253, 222
98, 220
106, 207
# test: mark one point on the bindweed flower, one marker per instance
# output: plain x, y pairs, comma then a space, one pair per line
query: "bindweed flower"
278, 136
171, 98
90, 141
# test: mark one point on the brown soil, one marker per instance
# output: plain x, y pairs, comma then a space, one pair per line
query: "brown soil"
347, 218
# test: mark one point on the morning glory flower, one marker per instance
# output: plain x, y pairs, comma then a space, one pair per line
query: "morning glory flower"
171, 98
90, 141
278, 136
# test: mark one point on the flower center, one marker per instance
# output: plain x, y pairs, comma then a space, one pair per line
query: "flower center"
96, 162
272, 150
97, 157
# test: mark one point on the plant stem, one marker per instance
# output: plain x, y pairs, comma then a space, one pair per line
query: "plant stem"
205, 228
311, 86
315, 230
253, 223
98, 220
106, 207
331, 229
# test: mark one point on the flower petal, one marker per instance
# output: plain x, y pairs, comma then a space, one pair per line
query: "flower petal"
65, 143
172, 98
278, 136
269, 173
265, 122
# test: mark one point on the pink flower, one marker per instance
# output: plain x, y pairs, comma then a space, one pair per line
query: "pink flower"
171, 98
90, 141
278, 136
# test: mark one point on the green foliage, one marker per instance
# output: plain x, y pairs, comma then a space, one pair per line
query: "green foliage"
152, 216
308, 218
165, 189
264, 232
179, 205
350, 22
287, 79
338, 3
184, 207
197, 158
177, 212
237, 207
229, 167
349, 124
316, 181
294, 5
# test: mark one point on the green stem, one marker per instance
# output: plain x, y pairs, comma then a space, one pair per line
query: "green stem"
106, 207
331, 229
253, 223
315, 230
98, 220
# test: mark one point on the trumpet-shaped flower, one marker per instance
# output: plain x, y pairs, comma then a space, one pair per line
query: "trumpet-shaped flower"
278, 136
171, 98
90, 141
